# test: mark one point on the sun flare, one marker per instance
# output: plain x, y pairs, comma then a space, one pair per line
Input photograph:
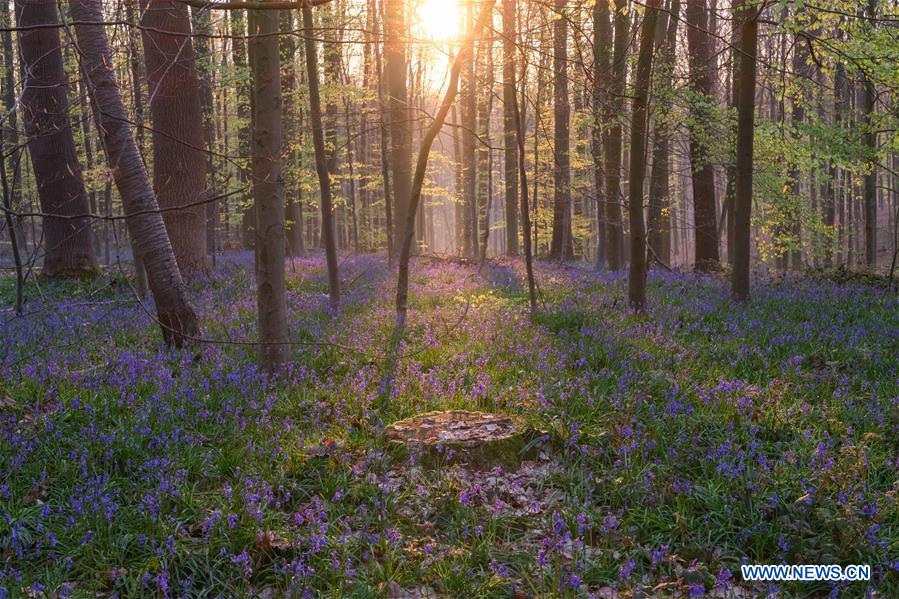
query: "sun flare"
438, 20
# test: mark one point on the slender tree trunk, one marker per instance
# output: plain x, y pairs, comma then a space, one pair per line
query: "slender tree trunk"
869, 140
268, 188
659, 191
485, 110
68, 246
612, 141
797, 109
832, 237
292, 127
459, 204
395, 34
525, 211
402, 287
637, 276
11, 228
561, 245
202, 25
321, 162
468, 101
732, 167
702, 81
141, 285
145, 225
510, 149
243, 101
9, 134
602, 42
179, 162
746, 17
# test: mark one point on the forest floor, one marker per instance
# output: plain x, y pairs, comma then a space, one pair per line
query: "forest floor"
680, 443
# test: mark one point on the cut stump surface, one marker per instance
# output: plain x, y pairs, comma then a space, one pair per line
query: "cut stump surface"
479, 440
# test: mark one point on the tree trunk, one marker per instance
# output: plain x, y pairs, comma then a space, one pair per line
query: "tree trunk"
145, 225
834, 174
9, 135
292, 122
746, 18
525, 211
68, 247
468, 101
702, 81
612, 140
203, 27
659, 204
395, 34
321, 162
561, 245
485, 110
602, 40
510, 137
402, 287
179, 162
869, 140
797, 110
242, 96
637, 276
268, 188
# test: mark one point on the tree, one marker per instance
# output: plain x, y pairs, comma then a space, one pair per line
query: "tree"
268, 188
203, 30
612, 141
321, 161
468, 114
561, 245
869, 139
179, 160
68, 243
402, 286
637, 276
510, 135
175, 315
9, 131
747, 19
659, 219
395, 34
701, 60
602, 40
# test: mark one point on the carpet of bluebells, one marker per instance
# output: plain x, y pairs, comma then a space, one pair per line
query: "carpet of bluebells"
678, 444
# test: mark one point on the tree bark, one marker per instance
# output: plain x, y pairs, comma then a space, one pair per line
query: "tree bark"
268, 188
602, 41
612, 141
395, 32
510, 136
321, 162
468, 114
869, 140
292, 132
703, 174
145, 225
561, 245
203, 26
637, 276
179, 162
9, 135
68, 246
659, 202
747, 19
834, 174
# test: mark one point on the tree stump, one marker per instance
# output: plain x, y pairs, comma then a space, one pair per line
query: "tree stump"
479, 440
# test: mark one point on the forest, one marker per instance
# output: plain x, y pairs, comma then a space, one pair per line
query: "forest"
448, 298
